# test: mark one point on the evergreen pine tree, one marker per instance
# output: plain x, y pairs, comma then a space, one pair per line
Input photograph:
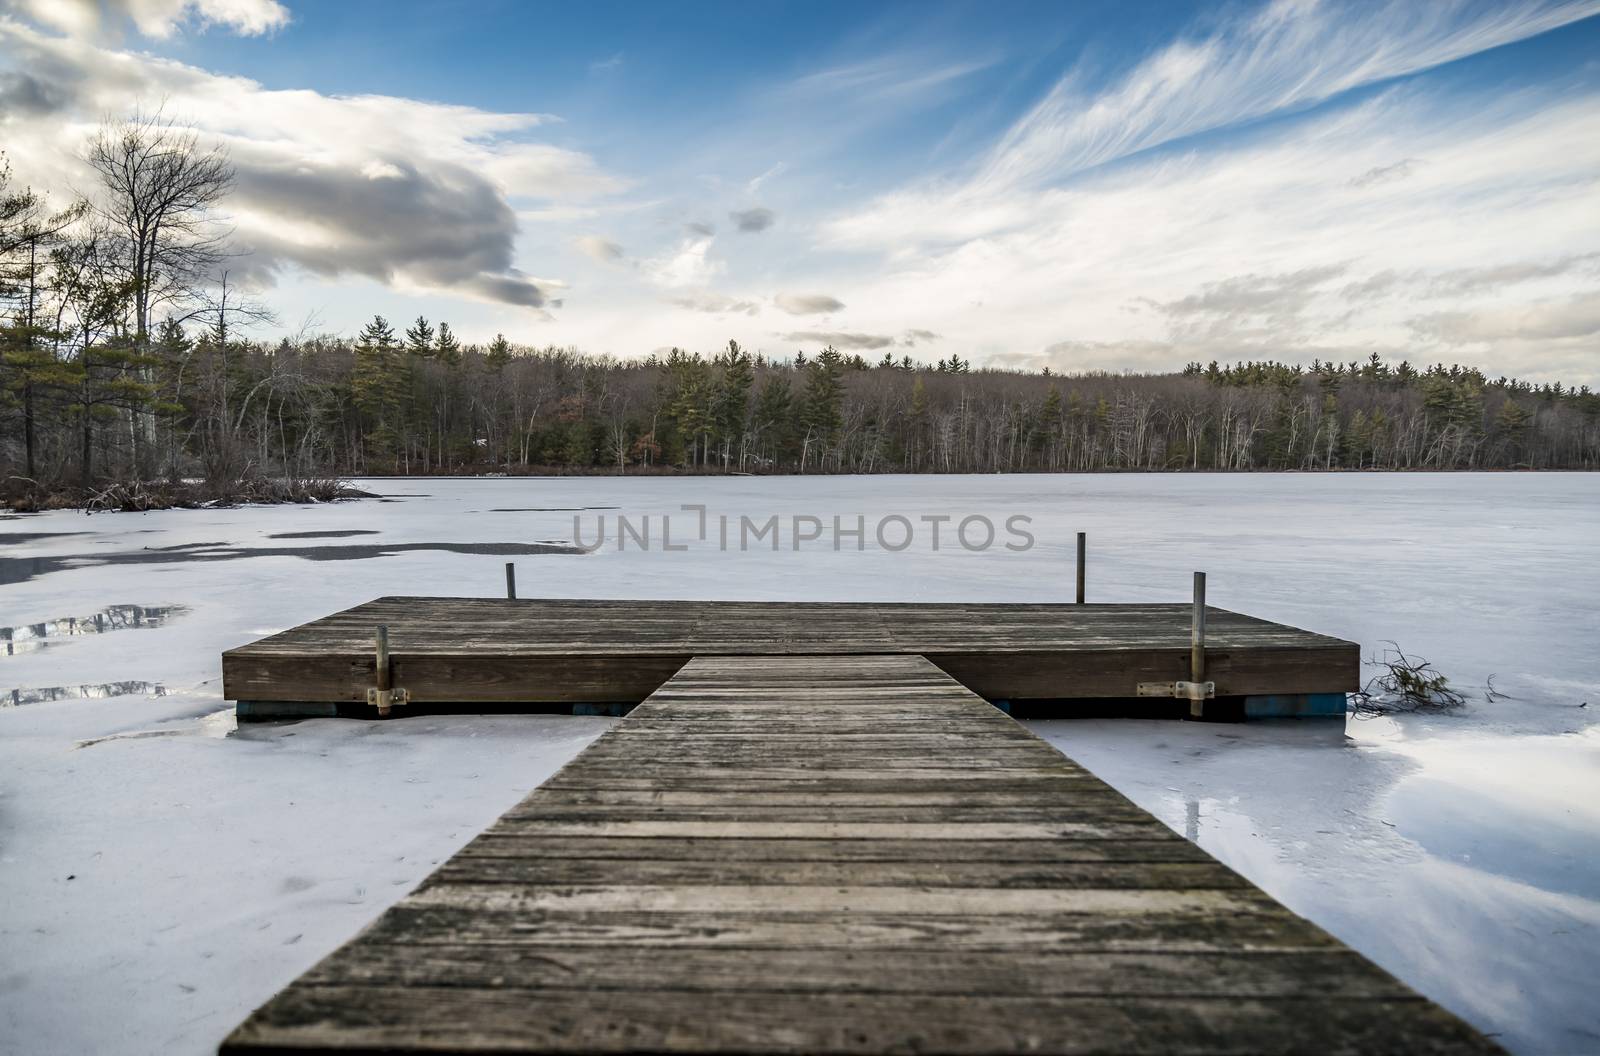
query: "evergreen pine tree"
732, 404
419, 338
499, 353
377, 384
774, 417
824, 399
447, 347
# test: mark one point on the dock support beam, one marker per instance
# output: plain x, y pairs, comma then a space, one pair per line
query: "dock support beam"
511, 581
1197, 642
381, 675
1083, 550
383, 695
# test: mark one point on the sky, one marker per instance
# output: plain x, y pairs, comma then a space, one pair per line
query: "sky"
1084, 186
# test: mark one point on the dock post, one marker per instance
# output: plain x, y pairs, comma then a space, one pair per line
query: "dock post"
1083, 547
1197, 642
511, 581
382, 673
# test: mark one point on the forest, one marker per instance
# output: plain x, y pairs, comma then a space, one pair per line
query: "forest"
127, 359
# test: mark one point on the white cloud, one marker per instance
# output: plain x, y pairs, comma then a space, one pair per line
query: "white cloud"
1264, 248
157, 19
715, 303
599, 249
412, 193
893, 78
752, 220
1572, 317
1384, 173
1420, 224
807, 303
840, 339
1288, 55
754, 186
382, 170
690, 264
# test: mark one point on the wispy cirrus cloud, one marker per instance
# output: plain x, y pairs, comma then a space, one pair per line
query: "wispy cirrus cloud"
1283, 57
1264, 248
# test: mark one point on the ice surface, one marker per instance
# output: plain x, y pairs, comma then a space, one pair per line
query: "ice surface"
210, 869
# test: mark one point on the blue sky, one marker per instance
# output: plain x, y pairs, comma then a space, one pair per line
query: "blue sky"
1083, 186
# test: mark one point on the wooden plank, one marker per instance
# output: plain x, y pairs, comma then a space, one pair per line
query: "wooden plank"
1257, 923
801, 969
502, 1019
729, 871
492, 650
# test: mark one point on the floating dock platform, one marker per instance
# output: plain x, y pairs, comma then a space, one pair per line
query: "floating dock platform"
823, 855
466, 652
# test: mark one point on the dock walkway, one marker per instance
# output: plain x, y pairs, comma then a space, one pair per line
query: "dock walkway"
475, 651
838, 854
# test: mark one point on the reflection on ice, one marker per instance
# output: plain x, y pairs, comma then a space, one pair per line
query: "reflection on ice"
1457, 855
1523, 808
18, 697
31, 636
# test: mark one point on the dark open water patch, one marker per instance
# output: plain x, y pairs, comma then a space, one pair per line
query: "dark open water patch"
17, 697
22, 569
18, 538
324, 535
31, 636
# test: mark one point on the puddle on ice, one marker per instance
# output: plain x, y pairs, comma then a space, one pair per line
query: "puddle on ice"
218, 724
94, 691
22, 569
323, 535
31, 636
1521, 808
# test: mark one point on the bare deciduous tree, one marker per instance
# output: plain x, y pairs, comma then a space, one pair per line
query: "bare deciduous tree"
161, 189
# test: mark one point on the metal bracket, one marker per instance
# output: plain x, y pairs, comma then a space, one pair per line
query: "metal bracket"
384, 699
1181, 690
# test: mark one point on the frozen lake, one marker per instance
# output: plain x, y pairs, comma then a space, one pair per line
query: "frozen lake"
164, 873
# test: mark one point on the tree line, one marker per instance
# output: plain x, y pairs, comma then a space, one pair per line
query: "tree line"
126, 355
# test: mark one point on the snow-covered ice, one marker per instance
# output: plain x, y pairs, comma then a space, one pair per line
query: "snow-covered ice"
163, 873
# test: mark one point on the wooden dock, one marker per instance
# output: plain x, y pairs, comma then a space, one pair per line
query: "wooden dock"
837, 854
466, 651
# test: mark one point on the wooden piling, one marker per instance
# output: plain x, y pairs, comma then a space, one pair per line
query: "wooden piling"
1197, 642
381, 673
511, 581
1083, 548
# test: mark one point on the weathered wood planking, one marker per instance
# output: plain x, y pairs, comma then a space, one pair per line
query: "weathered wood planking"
838, 854
465, 650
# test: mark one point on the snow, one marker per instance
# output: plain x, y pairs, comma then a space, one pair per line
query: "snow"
210, 866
